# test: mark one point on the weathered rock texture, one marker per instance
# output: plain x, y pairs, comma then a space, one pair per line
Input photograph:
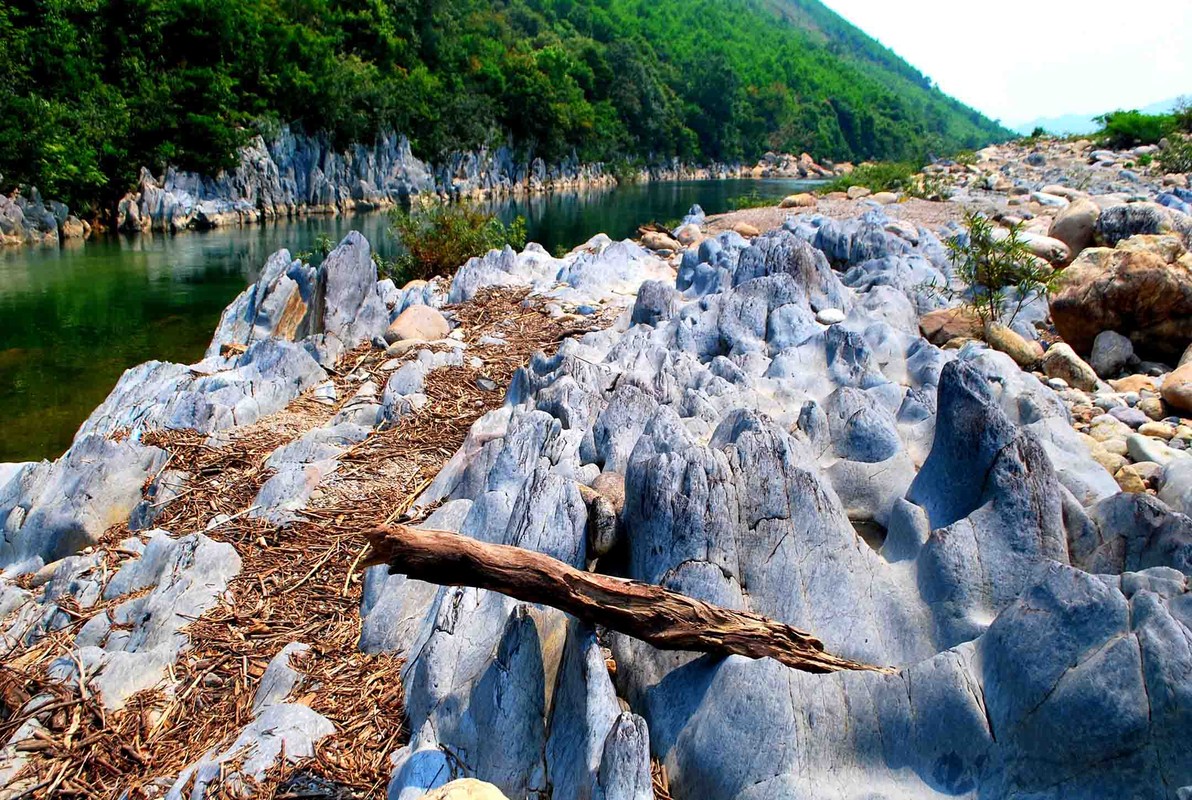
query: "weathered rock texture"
1141, 289
928, 509
295, 174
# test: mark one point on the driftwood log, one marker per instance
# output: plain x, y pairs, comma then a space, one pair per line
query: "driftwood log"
665, 619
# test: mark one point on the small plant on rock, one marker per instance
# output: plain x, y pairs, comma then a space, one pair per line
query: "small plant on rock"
880, 177
438, 238
965, 158
929, 187
322, 247
752, 200
992, 265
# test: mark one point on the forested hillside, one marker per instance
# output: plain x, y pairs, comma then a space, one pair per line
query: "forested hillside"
90, 90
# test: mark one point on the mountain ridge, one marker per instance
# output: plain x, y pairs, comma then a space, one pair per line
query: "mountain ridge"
92, 90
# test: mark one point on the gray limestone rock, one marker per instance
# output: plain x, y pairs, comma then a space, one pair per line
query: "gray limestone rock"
1112, 355
1176, 485
782, 252
132, 647
1134, 532
352, 309
54, 510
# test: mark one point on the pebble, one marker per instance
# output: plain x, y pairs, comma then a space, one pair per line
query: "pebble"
1129, 480
1059, 384
1106, 427
1115, 446
830, 316
1130, 416
1149, 471
1107, 402
1152, 407
1144, 448
1160, 430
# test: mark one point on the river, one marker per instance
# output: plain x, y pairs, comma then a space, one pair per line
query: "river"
72, 319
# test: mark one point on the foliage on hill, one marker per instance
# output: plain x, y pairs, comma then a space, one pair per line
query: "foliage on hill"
1122, 129
92, 89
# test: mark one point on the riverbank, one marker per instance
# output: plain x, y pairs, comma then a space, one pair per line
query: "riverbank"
291, 176
73, 318
756, 421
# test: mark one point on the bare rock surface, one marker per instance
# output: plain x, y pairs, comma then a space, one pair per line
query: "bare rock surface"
932, 510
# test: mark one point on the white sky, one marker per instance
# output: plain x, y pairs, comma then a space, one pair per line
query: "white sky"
1016, 61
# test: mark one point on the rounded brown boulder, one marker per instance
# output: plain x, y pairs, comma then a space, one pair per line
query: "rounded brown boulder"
946, 324
1177, 389
1141, 289
418, 323
1076, 225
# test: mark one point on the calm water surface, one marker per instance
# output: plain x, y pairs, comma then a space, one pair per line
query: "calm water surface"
73, 319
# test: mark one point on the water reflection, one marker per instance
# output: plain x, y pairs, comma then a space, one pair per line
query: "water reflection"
72, 319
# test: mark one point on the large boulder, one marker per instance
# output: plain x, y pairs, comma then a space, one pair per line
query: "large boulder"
419, 323
1141, 289
353, 310
1132, 219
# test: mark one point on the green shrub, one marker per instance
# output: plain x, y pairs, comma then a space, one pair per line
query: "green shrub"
624, 171
437, 239
929, 187
322, 246
1177, 156
885, 176
1122, 129
751, 200
1183, 114
990, 265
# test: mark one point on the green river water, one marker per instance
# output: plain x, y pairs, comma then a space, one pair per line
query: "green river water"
72, 319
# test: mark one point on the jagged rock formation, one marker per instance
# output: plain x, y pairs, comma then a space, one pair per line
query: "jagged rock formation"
928, 509
294, 174
31, 220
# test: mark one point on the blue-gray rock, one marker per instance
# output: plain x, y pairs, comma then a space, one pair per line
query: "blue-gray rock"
781, 252
1131, 219
54, 510
1131, 533
656, 302
1175, 486
1133, 417
1112, 355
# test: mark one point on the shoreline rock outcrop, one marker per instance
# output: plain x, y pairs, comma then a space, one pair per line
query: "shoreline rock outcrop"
787, 443
294, 175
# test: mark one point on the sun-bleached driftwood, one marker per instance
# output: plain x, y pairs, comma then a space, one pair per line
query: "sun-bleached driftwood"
665, 619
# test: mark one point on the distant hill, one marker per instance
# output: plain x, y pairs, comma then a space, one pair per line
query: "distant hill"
1069, 124
90, 91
